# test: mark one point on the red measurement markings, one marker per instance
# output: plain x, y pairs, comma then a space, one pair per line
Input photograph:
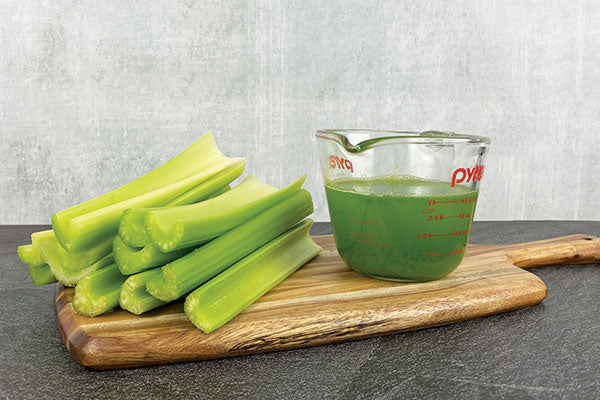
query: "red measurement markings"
443, 253
430, 235
441, 217
464, 201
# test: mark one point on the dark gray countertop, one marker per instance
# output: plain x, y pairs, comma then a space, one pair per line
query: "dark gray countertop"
548, 351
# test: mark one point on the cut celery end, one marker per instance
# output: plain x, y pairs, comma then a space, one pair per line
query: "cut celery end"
131, 226
41, 274
190, 271
226, 295
192, 160
179, 227
83, 230
98, 292
27, 255
134, 297
132, 260
30, 254
77, 260
50, 251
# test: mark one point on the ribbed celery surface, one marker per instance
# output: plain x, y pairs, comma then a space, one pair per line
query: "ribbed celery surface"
82, 225
134, 297
179, 227
226, 295
190, 271
132, 260
41, 275
131, 226
99, 291
50, 251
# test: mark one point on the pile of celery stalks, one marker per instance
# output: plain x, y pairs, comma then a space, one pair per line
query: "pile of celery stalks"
179, 230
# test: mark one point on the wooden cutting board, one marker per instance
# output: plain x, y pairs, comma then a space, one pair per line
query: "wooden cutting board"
323, 302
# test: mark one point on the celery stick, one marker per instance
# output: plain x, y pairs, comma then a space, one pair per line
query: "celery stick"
132, 260
134, 297
51, 250
83, 230
179, 227
30, 254
81, 225
131, 226
78, 260
41, 274
99, 291
193, 159
190, 271
223, 297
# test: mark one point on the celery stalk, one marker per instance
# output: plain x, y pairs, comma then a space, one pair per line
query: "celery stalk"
193, 159
131, 226
132, 260
99, 291
30, 254
190, 271
81, 225
179, 227
85, 229
223, 297
51, 251
134, 297
41, 274
77, 260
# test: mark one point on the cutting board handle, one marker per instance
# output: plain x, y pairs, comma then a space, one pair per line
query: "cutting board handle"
574, 249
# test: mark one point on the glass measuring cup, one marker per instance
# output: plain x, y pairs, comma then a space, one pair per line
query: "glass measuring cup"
401, 203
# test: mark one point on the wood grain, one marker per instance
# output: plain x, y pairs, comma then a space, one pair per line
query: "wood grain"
323, 302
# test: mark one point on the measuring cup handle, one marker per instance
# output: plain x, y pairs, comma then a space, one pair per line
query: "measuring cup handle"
578, 249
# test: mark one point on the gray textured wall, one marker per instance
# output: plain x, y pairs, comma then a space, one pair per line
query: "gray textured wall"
94, 93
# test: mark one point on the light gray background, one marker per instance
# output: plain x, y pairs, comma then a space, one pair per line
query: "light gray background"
93, 94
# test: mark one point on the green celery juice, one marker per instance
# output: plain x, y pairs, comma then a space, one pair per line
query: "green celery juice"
400, 228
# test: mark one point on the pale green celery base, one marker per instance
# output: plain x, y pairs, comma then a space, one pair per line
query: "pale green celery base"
98, 292
30, 254
41, 274
190, 161
180, 227
132, 260
190, 271
223, 297
134, 297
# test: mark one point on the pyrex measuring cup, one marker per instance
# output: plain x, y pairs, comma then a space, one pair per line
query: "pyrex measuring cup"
401, 203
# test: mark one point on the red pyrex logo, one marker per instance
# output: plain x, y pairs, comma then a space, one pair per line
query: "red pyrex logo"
341, 163
470, 174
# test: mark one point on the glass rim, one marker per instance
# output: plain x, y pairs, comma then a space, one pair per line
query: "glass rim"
387, 137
